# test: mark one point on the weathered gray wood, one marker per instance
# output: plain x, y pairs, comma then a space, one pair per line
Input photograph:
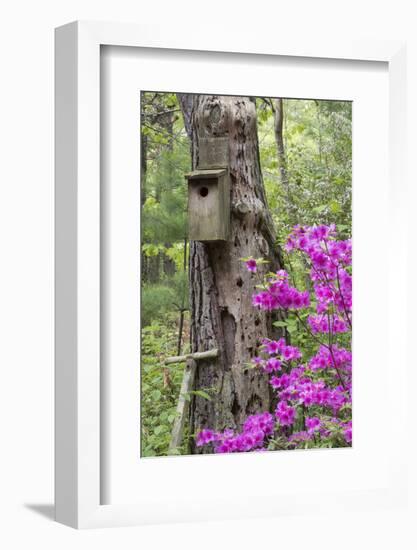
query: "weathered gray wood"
183, 405
196, 356
202, 174
208, 205
213, 152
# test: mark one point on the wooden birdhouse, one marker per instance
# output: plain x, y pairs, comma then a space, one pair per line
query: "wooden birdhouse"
208, 204
209, 192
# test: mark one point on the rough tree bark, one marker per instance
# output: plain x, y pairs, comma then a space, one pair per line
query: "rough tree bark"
278, 110
222, 315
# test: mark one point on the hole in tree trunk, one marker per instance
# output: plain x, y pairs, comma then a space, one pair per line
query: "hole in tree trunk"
229, 333
235, 407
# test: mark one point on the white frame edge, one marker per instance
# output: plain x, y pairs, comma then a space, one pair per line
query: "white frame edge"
77, 230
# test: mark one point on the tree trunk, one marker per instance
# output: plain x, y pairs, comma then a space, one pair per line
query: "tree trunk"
154, 268
222, 315
278, 110
168, 263
143, 171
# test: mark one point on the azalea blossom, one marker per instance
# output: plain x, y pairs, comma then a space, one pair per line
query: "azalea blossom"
318, 393
251, 265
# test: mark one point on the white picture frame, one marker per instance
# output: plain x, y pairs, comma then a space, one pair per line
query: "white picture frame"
78, 406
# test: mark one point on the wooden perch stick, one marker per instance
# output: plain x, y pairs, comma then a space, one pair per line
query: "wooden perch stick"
182, 406
196, 356
186, 386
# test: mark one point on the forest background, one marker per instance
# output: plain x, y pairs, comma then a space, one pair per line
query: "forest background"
305, 151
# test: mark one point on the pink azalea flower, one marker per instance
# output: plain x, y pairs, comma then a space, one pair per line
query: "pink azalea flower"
312, 423
204, 437
285, 414
251, 265
324, 384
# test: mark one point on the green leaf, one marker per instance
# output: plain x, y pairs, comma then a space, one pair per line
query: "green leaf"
148, 452
175, 451
341, 227
335, 207
151, 250
156, 395
280, 323
320, 209
201, 393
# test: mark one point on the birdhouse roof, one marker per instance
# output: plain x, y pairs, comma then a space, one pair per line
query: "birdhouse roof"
202, 174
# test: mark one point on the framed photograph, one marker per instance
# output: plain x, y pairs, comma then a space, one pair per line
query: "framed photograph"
224, 274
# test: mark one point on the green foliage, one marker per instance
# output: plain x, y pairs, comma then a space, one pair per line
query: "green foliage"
166, 158
157, 300
198, 393
160, 386
164, 210
176, 254
164, 299
151, 250
164, 289
317, 163
316, 189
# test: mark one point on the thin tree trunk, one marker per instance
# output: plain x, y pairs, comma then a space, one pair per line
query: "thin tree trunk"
279, 114
222, 315
143, 171
322, 152
168, 263
153, 271
278, 110
183, 309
